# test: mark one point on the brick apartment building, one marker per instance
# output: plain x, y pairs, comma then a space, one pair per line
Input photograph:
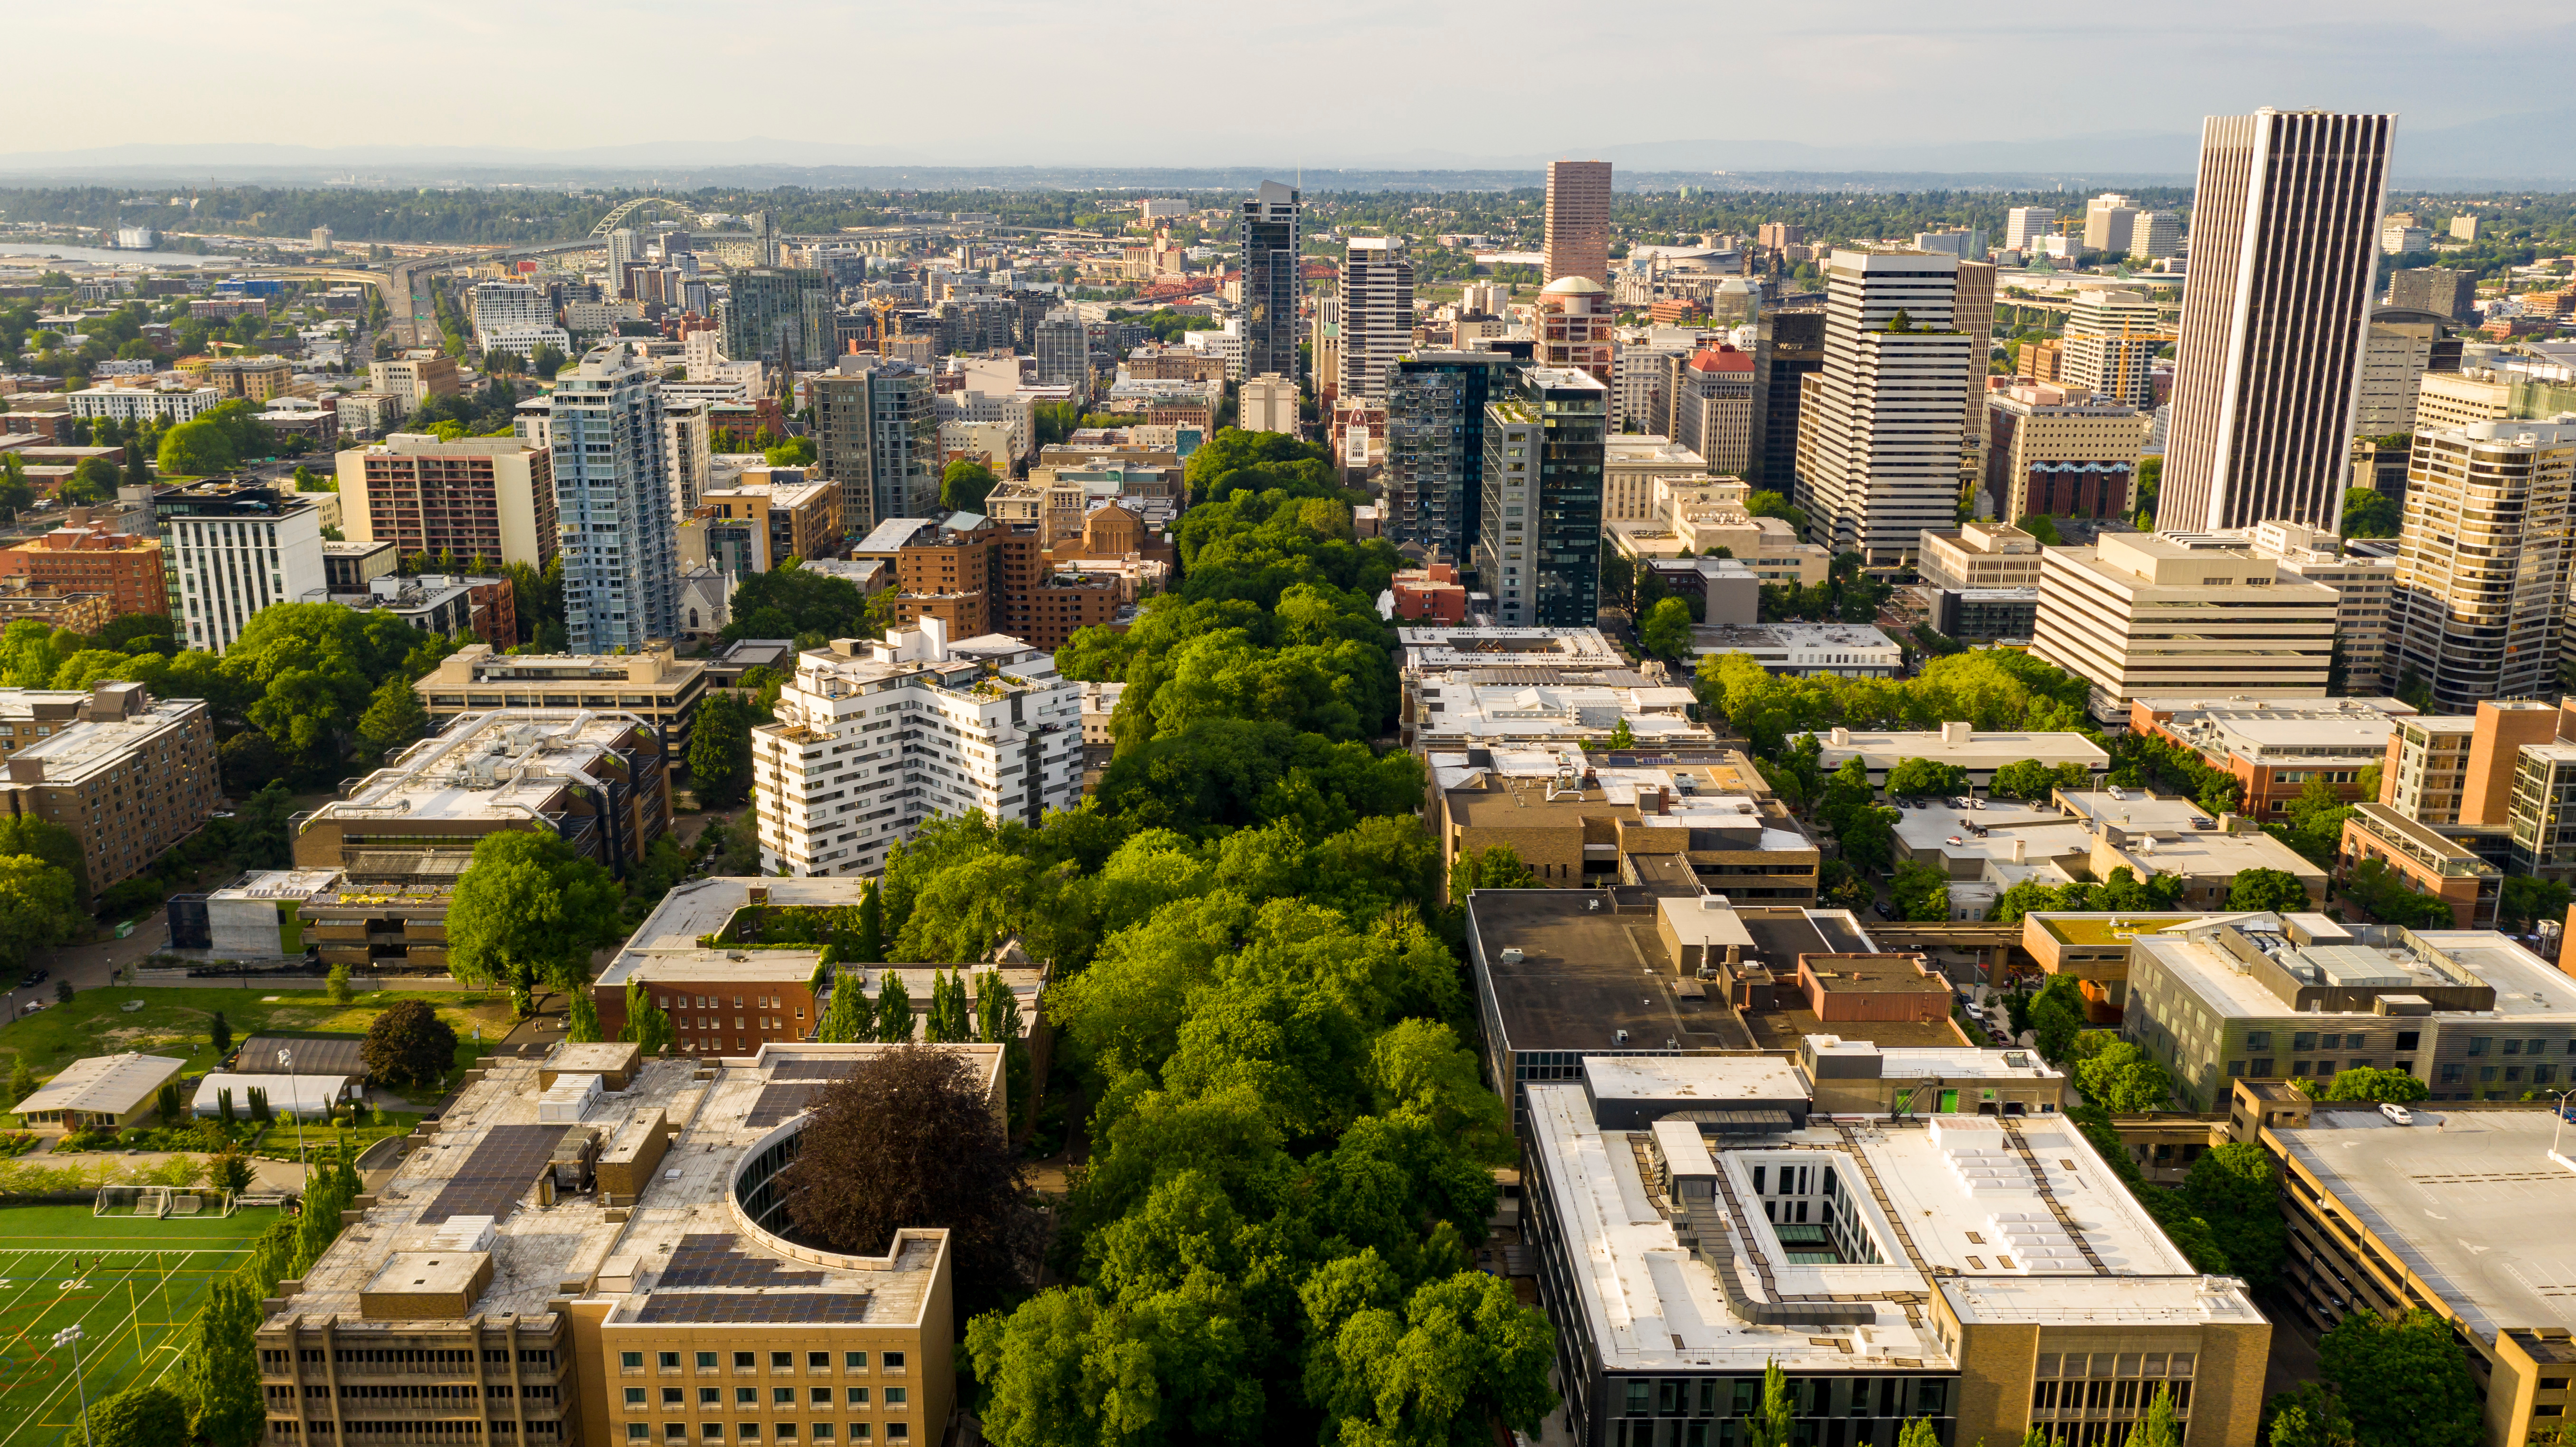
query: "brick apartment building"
988, 578
84, 557
129, 775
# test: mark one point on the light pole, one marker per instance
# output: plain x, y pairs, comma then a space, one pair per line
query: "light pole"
2558, 1118
286, 1062
70, 1336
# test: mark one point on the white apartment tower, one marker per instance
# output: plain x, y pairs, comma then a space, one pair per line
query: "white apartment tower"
873, 738
1880, 428
1377, 314
613, 504
229, 551
2110, 345
2110, 224
2285, 221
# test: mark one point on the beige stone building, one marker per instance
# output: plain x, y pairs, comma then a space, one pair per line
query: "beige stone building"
559, 1264
655, 686
129, 775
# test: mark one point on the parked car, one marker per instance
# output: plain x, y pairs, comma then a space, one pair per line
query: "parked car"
2397, 1114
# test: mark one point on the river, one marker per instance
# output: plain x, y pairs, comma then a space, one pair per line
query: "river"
97, 256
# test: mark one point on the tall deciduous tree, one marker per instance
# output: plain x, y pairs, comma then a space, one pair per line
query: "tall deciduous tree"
395, 716
408, 1045
39, 906
1775, 1422
909, 1139
648, 1025
528, 909
849, 1018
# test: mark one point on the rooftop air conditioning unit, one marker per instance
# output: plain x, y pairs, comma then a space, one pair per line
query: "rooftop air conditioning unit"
1511, 954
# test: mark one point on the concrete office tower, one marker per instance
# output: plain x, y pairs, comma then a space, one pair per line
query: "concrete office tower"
1377, 314
1269, 405
1788, 346
2284, 231
780, 317
1712, 408
498, 308
621, 561
876, 430
1436, 410
2395, 352
1578, 220
764, 237
2064, 459
2110, 224
1064, 351
2024, 225
1879, 429
2482, 561
1573, 325
2143, 616
2156, 235
2436, 289
1269, 228
1538, 551
1975, 309
2110, 346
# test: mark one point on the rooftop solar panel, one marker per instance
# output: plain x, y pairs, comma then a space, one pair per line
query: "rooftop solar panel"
258, 1056
784, 1308
715, 1258
500, 1169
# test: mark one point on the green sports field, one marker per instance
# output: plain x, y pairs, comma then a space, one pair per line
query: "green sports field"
133, 1284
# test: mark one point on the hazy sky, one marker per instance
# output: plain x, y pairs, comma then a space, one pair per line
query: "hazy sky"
1145, 82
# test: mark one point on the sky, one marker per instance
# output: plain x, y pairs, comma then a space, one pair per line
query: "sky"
1322, 83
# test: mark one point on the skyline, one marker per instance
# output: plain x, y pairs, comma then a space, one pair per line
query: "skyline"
1886, 89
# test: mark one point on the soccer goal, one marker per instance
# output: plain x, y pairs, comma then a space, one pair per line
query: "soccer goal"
164, 1202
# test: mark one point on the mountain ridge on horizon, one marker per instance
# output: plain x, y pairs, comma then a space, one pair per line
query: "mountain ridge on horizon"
2501, 149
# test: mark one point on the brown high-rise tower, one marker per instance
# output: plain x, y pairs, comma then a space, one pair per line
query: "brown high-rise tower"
1578, 220
2284, 234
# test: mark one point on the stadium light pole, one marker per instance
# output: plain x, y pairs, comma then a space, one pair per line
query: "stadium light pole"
70, 1336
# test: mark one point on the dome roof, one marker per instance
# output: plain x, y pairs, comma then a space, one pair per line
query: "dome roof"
1575, 285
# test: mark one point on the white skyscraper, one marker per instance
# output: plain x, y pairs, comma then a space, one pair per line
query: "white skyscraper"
1880, 427
1377, 314
613, 503
2024, 225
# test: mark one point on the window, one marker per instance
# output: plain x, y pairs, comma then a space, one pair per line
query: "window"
635, 1397
782, 1361
895, 1396
2299, 1067
782, 1396
858, 1396
710, 1397
822, 1396
2262, 1067
746, 1396
747, 1431
637, 1431
898, 1431
670, 1361
892, 1361
2258, 1039
2479, 1044
818, 1361
2406, 1039
2513, 1047
859, 1431
706, 1361
745, 1361
630, 1361
2304, 1040
673, 1396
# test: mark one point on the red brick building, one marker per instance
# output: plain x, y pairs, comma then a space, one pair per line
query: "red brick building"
85, 557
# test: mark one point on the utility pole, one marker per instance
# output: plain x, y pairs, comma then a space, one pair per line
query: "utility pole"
70, 1336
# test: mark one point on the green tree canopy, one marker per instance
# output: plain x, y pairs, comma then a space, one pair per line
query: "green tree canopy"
1917, 778
2403, 1382
528, 910
1666, 629
1921, 891
965, 485
2267, 889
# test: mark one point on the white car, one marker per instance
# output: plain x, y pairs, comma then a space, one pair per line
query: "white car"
2397, 1114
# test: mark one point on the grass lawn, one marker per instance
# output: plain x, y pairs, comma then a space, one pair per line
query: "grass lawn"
133, 1284
279, 1143
176, 1022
